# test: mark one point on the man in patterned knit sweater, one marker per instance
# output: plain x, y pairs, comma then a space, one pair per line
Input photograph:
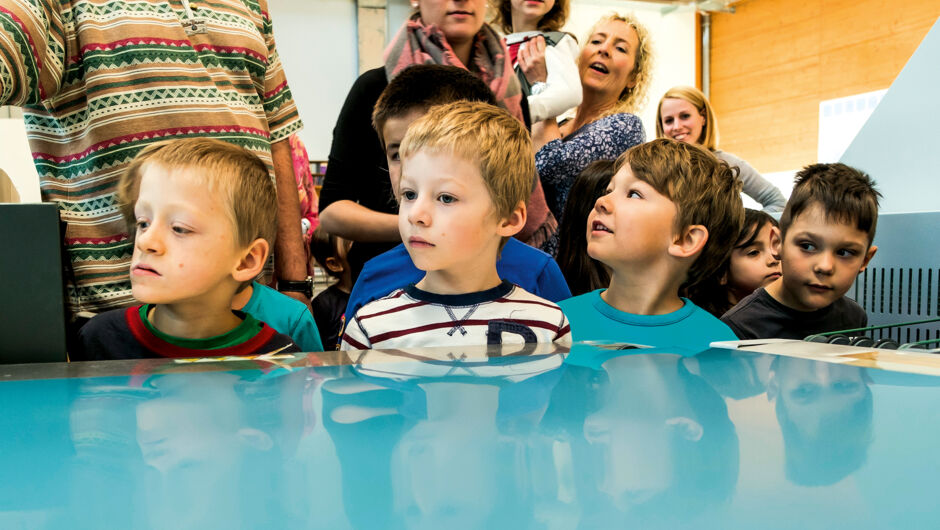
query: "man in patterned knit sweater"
100, 80
467, 170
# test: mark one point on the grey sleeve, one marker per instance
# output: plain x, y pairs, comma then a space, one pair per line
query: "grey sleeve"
755, 186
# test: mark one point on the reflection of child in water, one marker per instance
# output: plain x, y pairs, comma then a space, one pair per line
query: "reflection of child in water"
825, 415
452, 440
201, 439
654, 442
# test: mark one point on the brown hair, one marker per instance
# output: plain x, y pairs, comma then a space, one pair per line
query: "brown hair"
235, 175
424, 85
551, 21
487, 135
845, 193
709, 138
705, 190
632, 99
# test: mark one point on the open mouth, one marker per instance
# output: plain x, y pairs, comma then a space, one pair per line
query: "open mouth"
598, 226
144, 270
680, 136
598, 67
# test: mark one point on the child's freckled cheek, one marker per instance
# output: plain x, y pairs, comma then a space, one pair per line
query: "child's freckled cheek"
180, 265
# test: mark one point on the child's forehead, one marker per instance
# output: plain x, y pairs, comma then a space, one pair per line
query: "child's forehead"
815, 218
395, 127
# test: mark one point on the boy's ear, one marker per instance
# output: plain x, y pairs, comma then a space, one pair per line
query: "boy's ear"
689, 242
776, 241
334, 264
868, 256
252, 261
514, 222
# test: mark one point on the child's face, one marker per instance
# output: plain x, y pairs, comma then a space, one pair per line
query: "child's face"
531, 11
755, 265
821, 258
393, 132
633, 223
185, 248
446, 217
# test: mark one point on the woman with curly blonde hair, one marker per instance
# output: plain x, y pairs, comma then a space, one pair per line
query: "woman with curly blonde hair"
615, 66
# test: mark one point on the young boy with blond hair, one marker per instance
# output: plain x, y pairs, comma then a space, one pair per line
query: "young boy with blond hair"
204, 212
670, 217
404, 100
467, 169
827, 228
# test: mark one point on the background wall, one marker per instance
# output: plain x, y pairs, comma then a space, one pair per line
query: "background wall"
773, 61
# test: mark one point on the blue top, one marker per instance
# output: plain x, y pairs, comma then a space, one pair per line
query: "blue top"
527, 267
689, 329
560, 161
285, 314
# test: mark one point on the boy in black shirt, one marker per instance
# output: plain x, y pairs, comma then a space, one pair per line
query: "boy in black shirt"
827, 227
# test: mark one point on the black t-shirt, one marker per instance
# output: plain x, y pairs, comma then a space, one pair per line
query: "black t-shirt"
357, 170
760, 316
328, 310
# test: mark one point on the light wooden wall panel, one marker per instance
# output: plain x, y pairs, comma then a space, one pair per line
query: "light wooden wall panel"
773, 61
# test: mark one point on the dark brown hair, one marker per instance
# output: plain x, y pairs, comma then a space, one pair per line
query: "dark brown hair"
705, 190
846, 194
582, 272
423, 86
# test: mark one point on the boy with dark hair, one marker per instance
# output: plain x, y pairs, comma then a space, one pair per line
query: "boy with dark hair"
407, 98
205, 220
670, 217
467, 169
329, 307
827, 228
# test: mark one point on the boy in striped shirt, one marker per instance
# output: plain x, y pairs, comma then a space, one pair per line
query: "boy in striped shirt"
467, 169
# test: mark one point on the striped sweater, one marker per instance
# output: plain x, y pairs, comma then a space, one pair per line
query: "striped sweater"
410, 317
99, 80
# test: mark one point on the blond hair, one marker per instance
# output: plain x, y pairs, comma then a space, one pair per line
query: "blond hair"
631, 100
709, 137
239, 178
705, 190
486, 135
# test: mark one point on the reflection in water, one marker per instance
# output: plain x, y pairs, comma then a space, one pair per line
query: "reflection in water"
653, 444
825, 415
454, 436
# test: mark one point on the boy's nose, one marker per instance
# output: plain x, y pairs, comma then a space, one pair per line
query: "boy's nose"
825, 263
418, 213
150, 240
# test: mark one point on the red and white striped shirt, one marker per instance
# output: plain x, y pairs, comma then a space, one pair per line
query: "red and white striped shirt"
410, 317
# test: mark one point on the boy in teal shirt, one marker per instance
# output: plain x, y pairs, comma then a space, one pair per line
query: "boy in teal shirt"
670, 216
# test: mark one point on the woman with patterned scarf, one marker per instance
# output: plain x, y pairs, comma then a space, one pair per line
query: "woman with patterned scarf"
356, 201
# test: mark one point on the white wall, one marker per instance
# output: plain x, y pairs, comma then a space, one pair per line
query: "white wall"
317, 43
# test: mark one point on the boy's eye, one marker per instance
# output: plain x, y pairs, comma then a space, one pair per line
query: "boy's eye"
142, 224
847, 253
633, 194
447, 199
181, 230
807, 246
409, 195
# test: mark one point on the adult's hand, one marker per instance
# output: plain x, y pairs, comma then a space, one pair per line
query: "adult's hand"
532, 60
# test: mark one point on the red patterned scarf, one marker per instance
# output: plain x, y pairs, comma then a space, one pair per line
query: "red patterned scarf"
416, 43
